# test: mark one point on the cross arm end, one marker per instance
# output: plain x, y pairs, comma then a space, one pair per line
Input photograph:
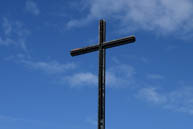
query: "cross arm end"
80, 51
118, 42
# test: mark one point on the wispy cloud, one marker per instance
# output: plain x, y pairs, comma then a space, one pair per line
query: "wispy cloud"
7, 27
151, 95
7, 30
79, 23
53, 68
180, 100
162, 16
14, 34
32, 7
49, 67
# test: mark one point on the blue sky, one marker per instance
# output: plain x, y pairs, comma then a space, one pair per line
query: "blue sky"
149, 83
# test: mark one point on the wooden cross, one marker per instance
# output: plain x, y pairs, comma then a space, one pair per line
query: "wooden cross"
101, 47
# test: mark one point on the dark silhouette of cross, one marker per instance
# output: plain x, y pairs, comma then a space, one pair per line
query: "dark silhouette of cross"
101, 47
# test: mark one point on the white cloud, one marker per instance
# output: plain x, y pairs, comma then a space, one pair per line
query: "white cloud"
32, 7
50, 67
180, 100
81, 79
151, 95
153, 15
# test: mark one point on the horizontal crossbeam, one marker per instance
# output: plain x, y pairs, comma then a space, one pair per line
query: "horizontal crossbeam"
109, 44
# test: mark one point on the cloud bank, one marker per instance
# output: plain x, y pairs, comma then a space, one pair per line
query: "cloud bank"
180, 100
116, 76
164, 16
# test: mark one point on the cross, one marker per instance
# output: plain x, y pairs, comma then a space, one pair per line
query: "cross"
101, 47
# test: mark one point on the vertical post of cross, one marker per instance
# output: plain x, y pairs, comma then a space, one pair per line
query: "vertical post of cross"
101, 47
101, 83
